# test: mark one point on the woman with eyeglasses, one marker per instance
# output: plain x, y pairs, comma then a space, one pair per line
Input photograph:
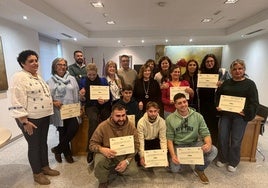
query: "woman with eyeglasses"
64, 90
232, 125
207, 104
32, 107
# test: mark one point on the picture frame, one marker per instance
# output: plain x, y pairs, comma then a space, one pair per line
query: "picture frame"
3, 75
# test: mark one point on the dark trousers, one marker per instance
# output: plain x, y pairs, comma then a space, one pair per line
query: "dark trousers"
66, 134
149, 145
95, 116
37, 143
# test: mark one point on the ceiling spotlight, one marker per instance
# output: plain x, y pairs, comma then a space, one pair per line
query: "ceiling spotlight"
142, 41
161, 4
190, 40
75, 39
97, 4
206, 20
166, 40
118, 41
230, 1
110, 22
25, 17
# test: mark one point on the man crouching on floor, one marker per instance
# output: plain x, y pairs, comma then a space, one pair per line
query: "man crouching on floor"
106, 161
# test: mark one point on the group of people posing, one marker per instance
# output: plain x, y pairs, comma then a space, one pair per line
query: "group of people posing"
161, 121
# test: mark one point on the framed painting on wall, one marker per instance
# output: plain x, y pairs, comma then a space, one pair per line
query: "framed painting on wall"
3, 75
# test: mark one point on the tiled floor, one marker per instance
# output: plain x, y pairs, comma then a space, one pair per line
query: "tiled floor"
15, 172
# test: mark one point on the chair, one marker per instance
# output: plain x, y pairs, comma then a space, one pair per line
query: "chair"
263, 112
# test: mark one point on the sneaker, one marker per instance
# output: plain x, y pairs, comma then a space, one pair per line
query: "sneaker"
202, 176
89, 158
220, 164
231, 168
103, 185
48, 171
41, 179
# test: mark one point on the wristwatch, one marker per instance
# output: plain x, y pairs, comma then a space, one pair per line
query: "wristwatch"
127, 162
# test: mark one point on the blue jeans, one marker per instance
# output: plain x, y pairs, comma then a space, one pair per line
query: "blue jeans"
231, 131
208, 157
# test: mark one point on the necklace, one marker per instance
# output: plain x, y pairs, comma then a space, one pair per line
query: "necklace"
146, 90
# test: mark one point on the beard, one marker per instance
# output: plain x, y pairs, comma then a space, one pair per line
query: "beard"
119, 123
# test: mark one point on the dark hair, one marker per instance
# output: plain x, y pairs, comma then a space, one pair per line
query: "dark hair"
77, 51
118, 106
150, 61
126, 56
127, 87
178, 96
214, 70
55, 62
162, 59
24, 55
152, 104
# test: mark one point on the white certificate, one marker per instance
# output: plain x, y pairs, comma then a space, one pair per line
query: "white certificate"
207, 80
190, 155
70, 110
180, 89
232, 104
155, 158
131, 118
122, 145
99, 92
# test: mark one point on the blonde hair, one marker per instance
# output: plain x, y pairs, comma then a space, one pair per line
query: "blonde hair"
239, 62
108, 64
91, 67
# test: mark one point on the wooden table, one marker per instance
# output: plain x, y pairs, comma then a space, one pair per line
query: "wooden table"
250, 140
5, 135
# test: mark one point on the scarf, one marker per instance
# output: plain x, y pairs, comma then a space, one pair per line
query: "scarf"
60, 84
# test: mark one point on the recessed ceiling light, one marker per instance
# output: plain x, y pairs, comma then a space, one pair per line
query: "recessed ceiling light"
105, 15
190, 40
75, 39
142, 41
206, 20
97, 4
25, 17
110, 22
118, 41
230, 1
166, 40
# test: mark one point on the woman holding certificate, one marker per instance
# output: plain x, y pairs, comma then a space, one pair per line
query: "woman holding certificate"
232, 125
206, 96
97, 110
176, 85
64, 90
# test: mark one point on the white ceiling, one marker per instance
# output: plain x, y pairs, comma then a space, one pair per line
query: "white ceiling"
136, 20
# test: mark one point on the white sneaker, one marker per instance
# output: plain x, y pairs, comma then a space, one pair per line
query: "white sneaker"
231, 168
220, 164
